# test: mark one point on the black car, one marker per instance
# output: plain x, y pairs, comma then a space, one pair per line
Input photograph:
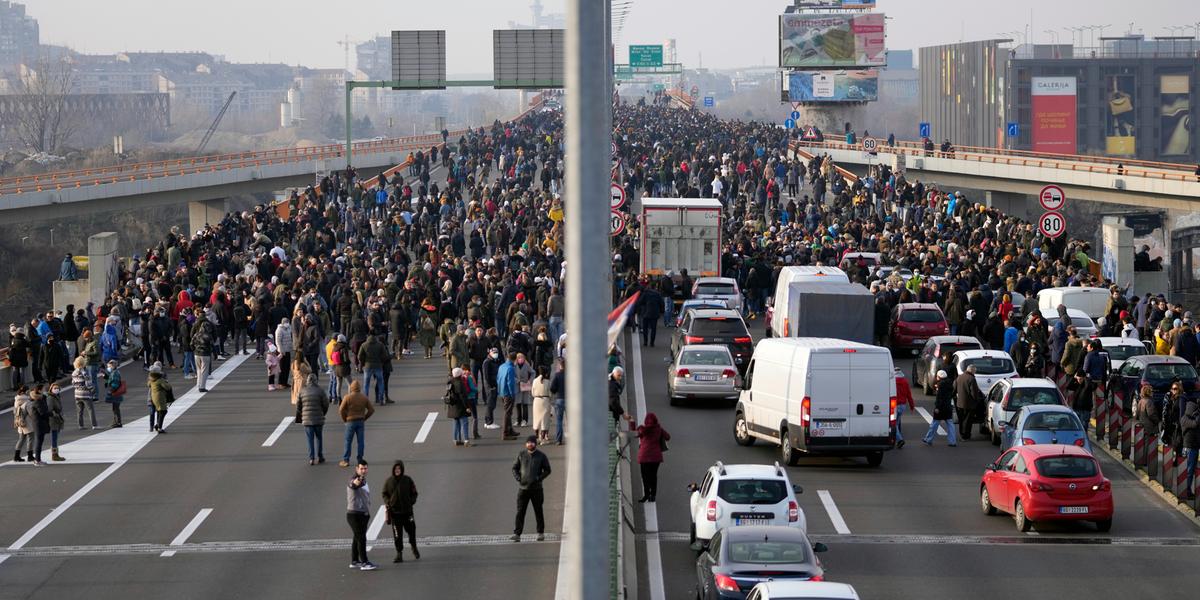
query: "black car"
737, 558
1154, 370
715, 326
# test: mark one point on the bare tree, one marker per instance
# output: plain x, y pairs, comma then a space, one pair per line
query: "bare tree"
45, 121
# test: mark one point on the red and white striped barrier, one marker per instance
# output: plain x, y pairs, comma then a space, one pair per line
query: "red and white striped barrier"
1141, 446
1100, 410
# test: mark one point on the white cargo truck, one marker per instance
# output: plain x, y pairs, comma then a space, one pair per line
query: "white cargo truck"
681, 233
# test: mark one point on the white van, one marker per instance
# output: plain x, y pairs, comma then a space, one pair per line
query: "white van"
783, 285
818, 396
1091, 300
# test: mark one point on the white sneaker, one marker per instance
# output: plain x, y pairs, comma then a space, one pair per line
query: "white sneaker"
491, 426
368, 566
356, 565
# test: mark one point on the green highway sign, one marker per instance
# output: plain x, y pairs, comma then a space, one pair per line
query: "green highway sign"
646, 55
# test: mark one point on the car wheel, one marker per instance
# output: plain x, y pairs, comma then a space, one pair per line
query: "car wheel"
692, 534
1023, 522
787, 454
1104, 526
985, 501
875, 459
741, 430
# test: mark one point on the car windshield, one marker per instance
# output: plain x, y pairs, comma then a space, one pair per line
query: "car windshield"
1078, 322
949, 350
772, 553
1027, 396
1066, 467
716, 289
715, 358
1052, 421
705, 304
1168, 372
752, 491
1124, 352
921, 315
719, 326
989, 365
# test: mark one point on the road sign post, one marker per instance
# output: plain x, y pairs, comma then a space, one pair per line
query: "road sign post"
1052, 224
617, 196
789, 124
1052, 198
870, 144
1014, 130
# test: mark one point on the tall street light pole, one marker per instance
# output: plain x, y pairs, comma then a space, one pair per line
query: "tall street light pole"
588, 120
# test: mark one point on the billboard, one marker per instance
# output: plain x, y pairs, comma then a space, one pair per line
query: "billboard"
1054, 115
865, 4
833, 86
528, 58
832, 40
1120, 129
1175, 114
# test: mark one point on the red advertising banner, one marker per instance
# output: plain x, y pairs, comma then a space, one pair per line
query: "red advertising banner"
1054, 115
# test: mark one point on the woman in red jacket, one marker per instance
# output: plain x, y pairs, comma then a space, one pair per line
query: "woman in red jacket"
650, 453
904, 401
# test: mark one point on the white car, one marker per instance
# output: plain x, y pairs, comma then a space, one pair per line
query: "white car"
1009, 395
718, 288
990, 366
1121, 348
1084, 325
733, 495
801, 590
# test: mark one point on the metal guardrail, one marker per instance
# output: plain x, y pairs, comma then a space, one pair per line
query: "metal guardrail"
1069, 162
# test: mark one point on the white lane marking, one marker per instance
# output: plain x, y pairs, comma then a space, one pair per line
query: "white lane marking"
3, 557
7, 410
279, 429
654, 568
188, 530
425, 427
929, 420
181, 405
563, 576
835, 515
376, 526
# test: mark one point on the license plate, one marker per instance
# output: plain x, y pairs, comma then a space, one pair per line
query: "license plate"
919, 340
1073, 510
827, 425
706, 378
754, 521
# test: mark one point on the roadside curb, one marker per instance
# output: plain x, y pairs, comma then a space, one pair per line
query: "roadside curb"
1154, 486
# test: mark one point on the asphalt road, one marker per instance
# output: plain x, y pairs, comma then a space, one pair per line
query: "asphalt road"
276, 526
915, 529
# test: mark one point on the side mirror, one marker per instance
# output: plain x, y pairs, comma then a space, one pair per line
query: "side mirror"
992, 467
819, 547
797, 489
692, 487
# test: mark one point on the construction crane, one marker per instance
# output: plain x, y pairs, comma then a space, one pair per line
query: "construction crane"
217, 121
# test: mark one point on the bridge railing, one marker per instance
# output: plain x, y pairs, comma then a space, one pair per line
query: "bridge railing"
1069, 162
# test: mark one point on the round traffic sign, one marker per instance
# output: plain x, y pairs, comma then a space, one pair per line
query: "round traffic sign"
1052, 197
789, 123
795, 115
1052, 224
616, 222
616, 196
870, 144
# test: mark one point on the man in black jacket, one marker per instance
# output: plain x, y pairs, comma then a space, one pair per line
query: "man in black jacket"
967, 399
530, 469
399, 495
488, 370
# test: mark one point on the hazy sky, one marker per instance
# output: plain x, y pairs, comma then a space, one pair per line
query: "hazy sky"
721, 33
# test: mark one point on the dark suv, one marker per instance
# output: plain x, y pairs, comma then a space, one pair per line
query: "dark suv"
1154, 370
715, 326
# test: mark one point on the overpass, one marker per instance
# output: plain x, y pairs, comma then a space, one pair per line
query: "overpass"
204, 182
1012, 178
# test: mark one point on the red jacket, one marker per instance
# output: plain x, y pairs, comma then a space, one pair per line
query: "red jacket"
904, 393
652, 436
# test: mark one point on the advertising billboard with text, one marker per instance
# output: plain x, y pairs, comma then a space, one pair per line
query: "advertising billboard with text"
1055, 118
833, 86
832, 40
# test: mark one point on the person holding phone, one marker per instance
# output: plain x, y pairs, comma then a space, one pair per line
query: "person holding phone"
358, 514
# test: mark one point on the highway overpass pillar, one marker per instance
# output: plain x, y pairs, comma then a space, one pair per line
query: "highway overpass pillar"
1012, 204
204, 212
102, 265
1116, 261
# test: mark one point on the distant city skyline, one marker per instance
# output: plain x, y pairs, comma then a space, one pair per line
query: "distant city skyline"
708, 33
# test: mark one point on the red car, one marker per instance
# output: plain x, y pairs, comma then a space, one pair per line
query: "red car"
913, 323
1047, 482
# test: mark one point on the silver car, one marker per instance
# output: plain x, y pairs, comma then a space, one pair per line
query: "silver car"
719, 288
703, 372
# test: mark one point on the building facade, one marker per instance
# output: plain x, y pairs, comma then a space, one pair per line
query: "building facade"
19, 35
962, 92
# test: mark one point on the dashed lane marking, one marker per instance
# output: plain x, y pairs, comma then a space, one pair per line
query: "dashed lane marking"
279, 429
187, 532
425, 428
835, 515
929, 420
654, 568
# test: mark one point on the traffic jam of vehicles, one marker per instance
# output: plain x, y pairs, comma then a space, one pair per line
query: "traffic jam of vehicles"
815, 386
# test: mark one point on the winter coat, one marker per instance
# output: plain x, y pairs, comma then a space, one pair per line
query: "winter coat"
355, 407
426, 331
530, 469
159, 390
399, 492
83, 385
456, 407
1072, 356
651, 437
1190, 423
312, 403
283, 337
966, 392
372, 354
943, 408
506, 380
24, 419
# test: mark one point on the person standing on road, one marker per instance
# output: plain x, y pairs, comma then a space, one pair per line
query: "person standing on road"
506, 390
358, 514
24, 422
524, 373
354, 410
57, 421
85, 393
488, 374
161, 396
203, 345
371, 355
399, 496
904, 401
311, 405
284, 342
558, 391
541, 404
652, 441
1082, 389
943, 410
530, 469
649, 312
40, 409
115, 385
456, 406
967, 399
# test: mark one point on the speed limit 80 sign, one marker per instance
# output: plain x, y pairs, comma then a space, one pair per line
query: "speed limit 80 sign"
1052, 224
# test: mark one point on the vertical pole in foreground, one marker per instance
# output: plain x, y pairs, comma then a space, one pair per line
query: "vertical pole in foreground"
588, 114
349, 132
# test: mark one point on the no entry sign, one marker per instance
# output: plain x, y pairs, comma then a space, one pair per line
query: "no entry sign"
1052, 198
